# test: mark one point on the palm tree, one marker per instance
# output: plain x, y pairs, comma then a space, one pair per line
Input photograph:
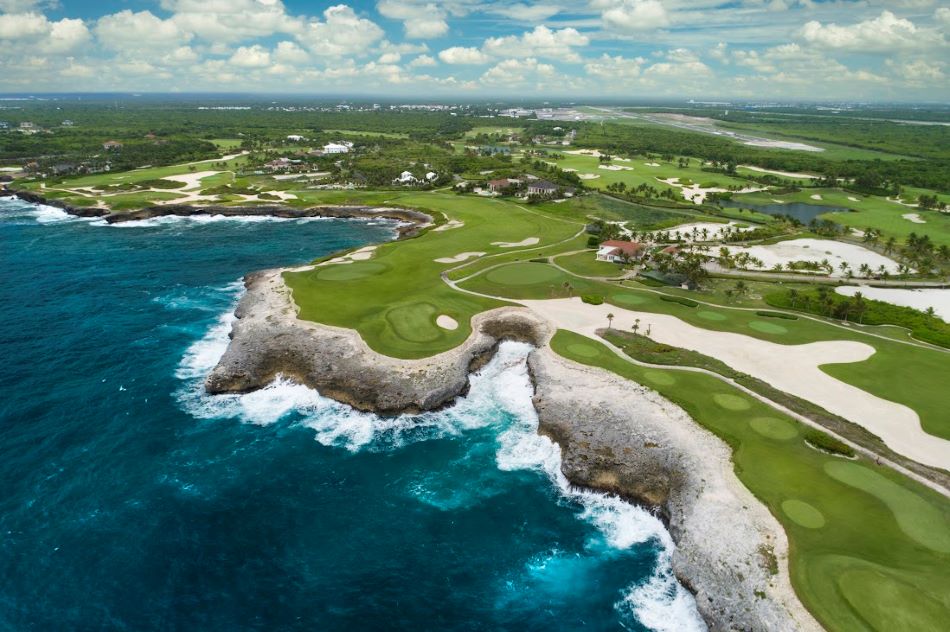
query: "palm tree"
569, 288
636, 326
859, 306
793, 296
610, 320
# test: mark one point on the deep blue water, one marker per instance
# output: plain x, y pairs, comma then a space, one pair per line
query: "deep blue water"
799, 210
131, 500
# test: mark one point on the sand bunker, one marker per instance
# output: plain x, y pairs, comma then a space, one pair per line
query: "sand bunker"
815, 196
588, 176
817, 250
462, 256
920, 299
447, 322
530, 241
853, 199
790, 368
781, 144
585, 152
449, 225
652, 164
357, 255
713, 230
914, 217
615, 168
785, 174
192, 180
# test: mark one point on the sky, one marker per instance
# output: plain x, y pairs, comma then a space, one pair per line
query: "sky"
855, 50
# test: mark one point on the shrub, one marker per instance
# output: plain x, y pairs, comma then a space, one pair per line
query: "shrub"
593, 242
826, 442
688, 302
593, 299
777, 315
539, 260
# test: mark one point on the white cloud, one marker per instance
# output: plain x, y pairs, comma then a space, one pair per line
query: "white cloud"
229, 21
126, 30
421, 20
23, 26
942, 15
918, 71
422, 61
389, 58
720, 52
181, 55
518, 72
463, 55
66, 35
289, 53
617, 68
525, 12
20, 6
681, 64
541, 42
36, 31
887, 32
633, 15
251, 57
341, 33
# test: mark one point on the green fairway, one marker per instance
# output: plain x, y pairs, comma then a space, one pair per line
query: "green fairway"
586, 264
393, 299
838, 530
524, 274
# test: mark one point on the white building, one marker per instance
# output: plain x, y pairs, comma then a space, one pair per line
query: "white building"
295, 138
406, 177
337, 148
432, 176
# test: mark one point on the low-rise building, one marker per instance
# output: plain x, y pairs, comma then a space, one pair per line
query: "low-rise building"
110, 145
295, 138
542, 188
617, 251
337, 148
406, 177
497, 186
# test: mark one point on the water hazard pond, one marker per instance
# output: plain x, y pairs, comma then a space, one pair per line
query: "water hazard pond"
804, 213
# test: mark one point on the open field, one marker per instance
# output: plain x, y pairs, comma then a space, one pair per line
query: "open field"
883, 578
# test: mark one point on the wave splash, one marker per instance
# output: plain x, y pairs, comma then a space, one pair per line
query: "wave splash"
499, 395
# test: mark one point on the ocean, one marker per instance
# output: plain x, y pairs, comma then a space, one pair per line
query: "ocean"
134, 501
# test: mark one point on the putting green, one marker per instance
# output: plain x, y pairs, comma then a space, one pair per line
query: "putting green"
414, 322
767, 328
585, 351
350, 271
524, 274
803, 514
876, 594
774, 428
731, 402
628, 299
708, 315
920, 520
658, 377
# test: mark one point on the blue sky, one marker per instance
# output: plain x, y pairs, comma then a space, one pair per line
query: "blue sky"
752, 49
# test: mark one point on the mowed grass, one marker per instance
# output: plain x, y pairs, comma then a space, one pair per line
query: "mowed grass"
907, 374
869, 549
394, 299
586, 264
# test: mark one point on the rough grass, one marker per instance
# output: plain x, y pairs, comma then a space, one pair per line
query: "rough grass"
910, 582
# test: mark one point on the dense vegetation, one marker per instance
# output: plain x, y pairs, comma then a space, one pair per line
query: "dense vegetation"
824, 302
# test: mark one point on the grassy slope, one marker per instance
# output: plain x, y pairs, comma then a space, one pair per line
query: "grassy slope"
877, 562
394, 299
906, 374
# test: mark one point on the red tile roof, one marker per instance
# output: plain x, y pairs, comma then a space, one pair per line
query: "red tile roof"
629, 248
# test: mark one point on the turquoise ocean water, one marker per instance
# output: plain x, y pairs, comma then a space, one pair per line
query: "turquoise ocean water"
133, 501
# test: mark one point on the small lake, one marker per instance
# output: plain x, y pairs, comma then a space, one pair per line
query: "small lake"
799, 210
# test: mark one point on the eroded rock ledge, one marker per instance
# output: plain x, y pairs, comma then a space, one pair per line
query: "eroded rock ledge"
410, 221
615, 437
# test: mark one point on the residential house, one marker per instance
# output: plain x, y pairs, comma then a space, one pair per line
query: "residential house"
337, 148
295, 138
497, 186
542, 188
432, 176
620, 251
406, 177
67, 123
110, 145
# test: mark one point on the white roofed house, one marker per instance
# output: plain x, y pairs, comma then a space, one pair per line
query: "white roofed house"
432, 176
406, 178
337, 148
295, 138
542, 187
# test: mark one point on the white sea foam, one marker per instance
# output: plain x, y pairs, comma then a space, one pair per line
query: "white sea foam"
499, 394
42, 213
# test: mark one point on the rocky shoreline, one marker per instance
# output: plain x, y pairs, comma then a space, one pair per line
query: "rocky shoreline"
411, 222
615, 437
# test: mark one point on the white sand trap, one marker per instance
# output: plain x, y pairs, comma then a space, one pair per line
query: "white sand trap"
569, 170
815, 196
778, 201
622, 159
914, 217
449, 225
920, 299
615, 168
530, 241
652, 164
588, 176
853, 199
192, 180
785, 174
816, 250
585, 152
790, 368
447, 322
781, 144
357, 255
296, 176
460, 257
713, 230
